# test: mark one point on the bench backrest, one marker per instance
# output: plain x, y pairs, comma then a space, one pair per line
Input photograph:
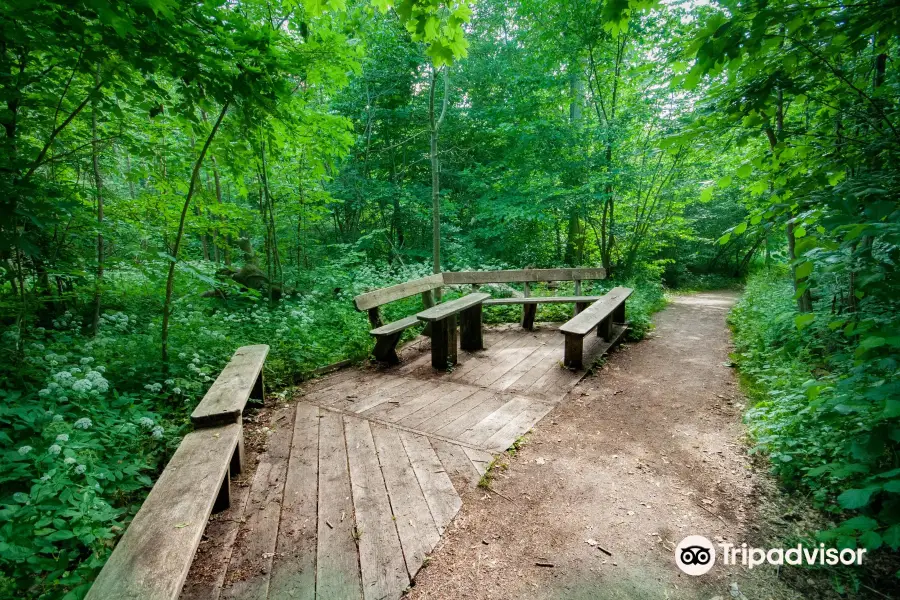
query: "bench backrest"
376, 298
522, 276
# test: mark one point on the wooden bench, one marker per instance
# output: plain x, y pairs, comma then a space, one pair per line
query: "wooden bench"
152, 559
601, 315
387, 336
443, 331
526, 277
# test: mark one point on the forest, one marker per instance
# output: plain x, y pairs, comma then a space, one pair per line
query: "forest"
183, 178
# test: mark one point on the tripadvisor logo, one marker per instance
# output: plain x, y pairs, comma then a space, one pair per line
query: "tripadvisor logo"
696, 555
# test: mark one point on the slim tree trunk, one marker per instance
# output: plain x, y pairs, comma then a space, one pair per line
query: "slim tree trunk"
435, 127
170, 279
98, 184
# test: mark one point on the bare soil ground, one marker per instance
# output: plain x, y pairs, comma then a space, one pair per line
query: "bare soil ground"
648, 450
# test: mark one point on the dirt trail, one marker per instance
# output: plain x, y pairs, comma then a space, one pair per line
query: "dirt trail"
640, 455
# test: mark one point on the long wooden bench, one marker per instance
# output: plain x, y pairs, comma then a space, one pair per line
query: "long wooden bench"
152, 559
527, 277
601, 315
388, 335
443, 318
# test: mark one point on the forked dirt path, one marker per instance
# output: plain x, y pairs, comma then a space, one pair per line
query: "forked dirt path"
640, 455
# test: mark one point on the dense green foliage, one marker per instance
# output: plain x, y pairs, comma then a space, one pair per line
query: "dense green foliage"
178, 179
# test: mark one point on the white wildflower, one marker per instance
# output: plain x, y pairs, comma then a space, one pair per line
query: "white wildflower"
157, 432
80, 469
54, 449
25, 450
44, 393
83, 423
63, 437
69, 461
145, 422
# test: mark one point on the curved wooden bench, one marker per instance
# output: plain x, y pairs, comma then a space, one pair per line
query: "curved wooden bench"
152, 560
600, 315
387, 336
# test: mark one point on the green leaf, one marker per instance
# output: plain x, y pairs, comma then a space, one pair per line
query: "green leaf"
891, 537
802, 321
740, 229
803, 270
892, 486
706, 194
744, 171
724, 182
870, 540
856, 498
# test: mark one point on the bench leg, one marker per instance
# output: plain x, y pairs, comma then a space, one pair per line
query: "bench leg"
470, 330
605, 329
619, 313
574, 355
386, 348
580, 306
237, 459
443, 343
223, 500
258, 394
529, 311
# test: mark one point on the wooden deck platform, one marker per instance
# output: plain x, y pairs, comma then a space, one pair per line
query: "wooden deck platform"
363, 474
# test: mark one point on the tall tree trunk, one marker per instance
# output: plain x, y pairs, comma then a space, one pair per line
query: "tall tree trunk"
170, 279
575, 230
435, 127
98, 184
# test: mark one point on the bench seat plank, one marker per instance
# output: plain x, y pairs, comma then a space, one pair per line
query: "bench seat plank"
442, 311
152, 559
396, 326
542, 300
585, 321
225, 400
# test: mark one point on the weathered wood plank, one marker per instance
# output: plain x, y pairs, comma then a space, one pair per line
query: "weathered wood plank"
442, 499
443, 343
542, 300
396, 326
494, 357
505, 339
471, 329
348, 398
251, 563
459, 466
539, 355
397, 292
225, 400
337, 567
481, 460
407, 403
586, 320
442, 311
492, 423
464, 415
521, 276
152, 559
381, 561
384, 396
510, 360
294, 569
517, 427
435, 406
415, 524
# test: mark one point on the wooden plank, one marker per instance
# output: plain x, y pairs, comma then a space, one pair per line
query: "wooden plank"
574, 353
381, 560
465, 415
509, 360
251, 563
481, 460
152, 559
225, 400
521, 276
495, 357
397, 292
517, 427
348, 398
459, 467
407, 403
383, 396
471, 329
294, 569
492, 423
442, 499
442, 311
337, 568
396, 326
435, 406
415, 525
542, 353
541, 300
582, 323
494, 346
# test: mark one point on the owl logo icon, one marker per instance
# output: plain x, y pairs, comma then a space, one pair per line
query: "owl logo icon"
695, 555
